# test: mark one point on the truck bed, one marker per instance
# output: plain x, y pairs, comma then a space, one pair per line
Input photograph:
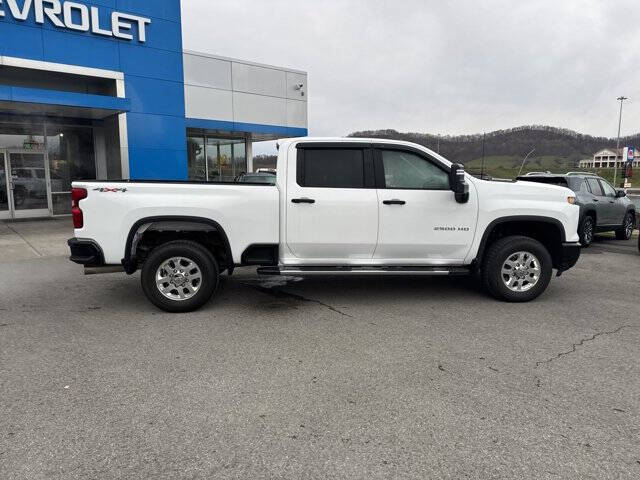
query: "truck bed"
248, 213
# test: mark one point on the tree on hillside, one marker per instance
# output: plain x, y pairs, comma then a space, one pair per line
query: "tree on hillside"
513, 142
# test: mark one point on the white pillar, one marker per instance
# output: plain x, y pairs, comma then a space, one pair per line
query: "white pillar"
124, 133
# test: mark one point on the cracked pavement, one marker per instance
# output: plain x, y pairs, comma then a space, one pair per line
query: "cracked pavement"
582, 342
321, 378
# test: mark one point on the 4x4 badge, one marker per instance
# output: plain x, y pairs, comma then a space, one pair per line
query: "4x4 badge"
112, 190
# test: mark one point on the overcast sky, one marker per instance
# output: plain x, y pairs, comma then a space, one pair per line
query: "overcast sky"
438, 66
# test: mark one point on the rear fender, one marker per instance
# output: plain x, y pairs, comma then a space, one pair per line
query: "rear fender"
169, 224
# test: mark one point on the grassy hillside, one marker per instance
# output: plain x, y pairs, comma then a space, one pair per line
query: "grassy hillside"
508, 166
556, 150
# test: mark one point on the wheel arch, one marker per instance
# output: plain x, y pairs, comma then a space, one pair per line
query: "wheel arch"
632, 210
175, 227
591, 211
547, 230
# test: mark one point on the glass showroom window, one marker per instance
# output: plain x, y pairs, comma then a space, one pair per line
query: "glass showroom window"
216, 159
195, 158
71, 157
23, 175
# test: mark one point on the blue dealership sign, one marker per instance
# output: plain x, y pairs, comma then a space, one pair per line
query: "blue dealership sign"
140, 38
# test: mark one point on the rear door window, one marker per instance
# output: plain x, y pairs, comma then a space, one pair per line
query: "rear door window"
331, 168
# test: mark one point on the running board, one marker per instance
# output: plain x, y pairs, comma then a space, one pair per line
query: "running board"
103, 269
363, 270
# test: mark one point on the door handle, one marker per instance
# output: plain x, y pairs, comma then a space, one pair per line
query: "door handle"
303, 200
596, 200
394, 202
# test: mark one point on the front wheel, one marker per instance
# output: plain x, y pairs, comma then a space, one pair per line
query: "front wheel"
516, 269
586, 230
625, 232
179, 276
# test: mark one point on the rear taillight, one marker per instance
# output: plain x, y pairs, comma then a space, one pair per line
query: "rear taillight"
77, 194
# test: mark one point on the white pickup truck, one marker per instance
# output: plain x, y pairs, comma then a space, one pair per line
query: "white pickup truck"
340, 206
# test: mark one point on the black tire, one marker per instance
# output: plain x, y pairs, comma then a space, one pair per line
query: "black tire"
625, 232
587, 230
496, 256
196, 253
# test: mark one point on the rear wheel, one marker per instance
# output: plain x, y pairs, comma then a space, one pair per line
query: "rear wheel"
586, 230
516, 269
625, 232
179, 276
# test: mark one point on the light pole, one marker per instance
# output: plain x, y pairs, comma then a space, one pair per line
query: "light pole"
615, 165
482, 168
525, 159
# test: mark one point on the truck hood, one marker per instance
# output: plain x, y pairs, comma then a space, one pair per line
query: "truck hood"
523, 189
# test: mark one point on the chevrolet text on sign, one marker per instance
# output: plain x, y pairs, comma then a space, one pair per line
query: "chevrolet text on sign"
77, 16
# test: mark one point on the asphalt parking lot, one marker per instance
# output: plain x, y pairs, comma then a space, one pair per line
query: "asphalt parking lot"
325, 378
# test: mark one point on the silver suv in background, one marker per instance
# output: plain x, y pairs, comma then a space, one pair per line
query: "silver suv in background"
602, 207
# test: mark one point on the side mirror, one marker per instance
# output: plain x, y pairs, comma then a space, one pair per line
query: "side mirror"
620, 193
458, 183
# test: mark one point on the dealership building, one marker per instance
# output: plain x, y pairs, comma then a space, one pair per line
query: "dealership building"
103, 89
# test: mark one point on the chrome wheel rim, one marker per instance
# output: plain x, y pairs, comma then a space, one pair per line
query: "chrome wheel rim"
588, 230
521, 271
178, 278
628, 227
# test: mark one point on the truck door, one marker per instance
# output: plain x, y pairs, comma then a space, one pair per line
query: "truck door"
331, 203
420, 221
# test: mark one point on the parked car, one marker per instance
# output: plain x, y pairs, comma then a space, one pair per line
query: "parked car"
341, 206
634, 195
257, 177
602, 207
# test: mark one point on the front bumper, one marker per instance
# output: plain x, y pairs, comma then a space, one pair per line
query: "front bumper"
569, 255
85, 252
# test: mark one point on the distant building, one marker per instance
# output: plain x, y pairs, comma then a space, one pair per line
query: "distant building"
607, 159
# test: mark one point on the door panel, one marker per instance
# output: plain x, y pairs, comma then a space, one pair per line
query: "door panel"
421, 224
330, 215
